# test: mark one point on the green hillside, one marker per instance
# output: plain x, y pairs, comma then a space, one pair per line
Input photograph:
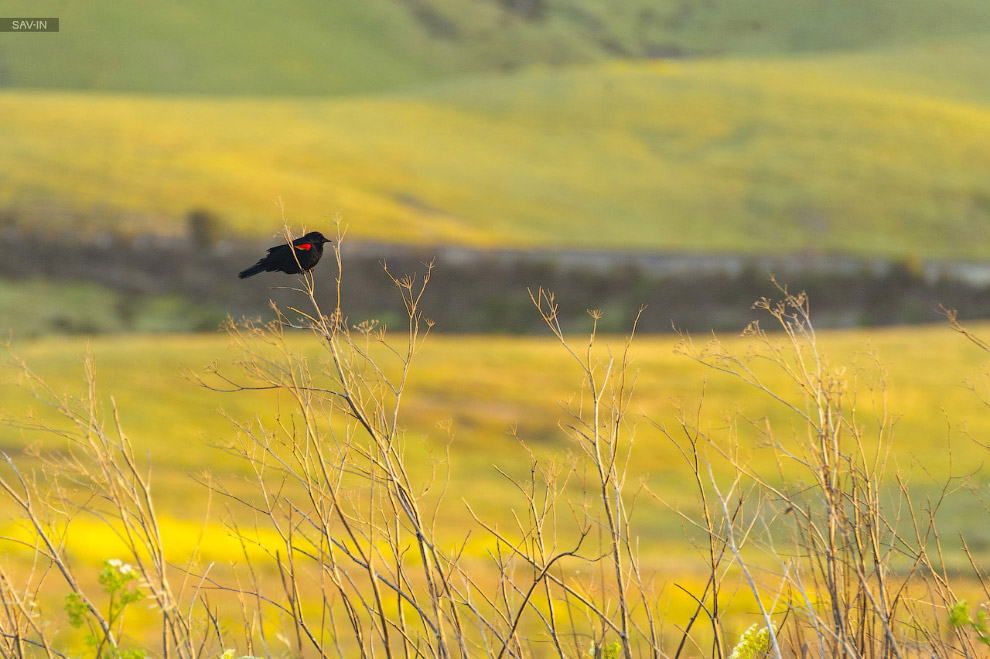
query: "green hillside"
468, 400
855, 126
822, 152
226, 46
481, 389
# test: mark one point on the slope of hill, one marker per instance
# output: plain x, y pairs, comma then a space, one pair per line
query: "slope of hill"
226, 46
751, 154
485, 383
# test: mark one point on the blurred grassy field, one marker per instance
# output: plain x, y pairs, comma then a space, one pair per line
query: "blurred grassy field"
855, 126
760, 154
486, 388
229, 47
847, 126
39, 306
470, 397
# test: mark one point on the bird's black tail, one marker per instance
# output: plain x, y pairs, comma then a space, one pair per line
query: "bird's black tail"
253, 270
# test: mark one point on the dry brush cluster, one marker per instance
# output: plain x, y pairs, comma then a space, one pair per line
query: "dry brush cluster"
343, 553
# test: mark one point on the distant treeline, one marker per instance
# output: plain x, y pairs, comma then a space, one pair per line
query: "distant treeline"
486, 290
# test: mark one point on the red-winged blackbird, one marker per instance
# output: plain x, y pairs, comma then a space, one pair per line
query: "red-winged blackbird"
305, 253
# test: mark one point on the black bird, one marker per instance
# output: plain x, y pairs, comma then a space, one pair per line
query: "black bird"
304, 254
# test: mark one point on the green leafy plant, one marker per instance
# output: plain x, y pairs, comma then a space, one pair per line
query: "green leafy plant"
232, 654
611, 651
959, 618
753, 644
115, 578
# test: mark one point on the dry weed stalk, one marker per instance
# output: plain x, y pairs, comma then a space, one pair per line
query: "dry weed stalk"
854, 562
95, 474
338, 524
356, 525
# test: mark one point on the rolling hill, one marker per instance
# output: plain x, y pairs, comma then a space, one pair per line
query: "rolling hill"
501, 382
757, 154
473, 396
854, 126
230, 47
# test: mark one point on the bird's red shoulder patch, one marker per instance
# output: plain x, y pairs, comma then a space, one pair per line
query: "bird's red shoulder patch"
304, 246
